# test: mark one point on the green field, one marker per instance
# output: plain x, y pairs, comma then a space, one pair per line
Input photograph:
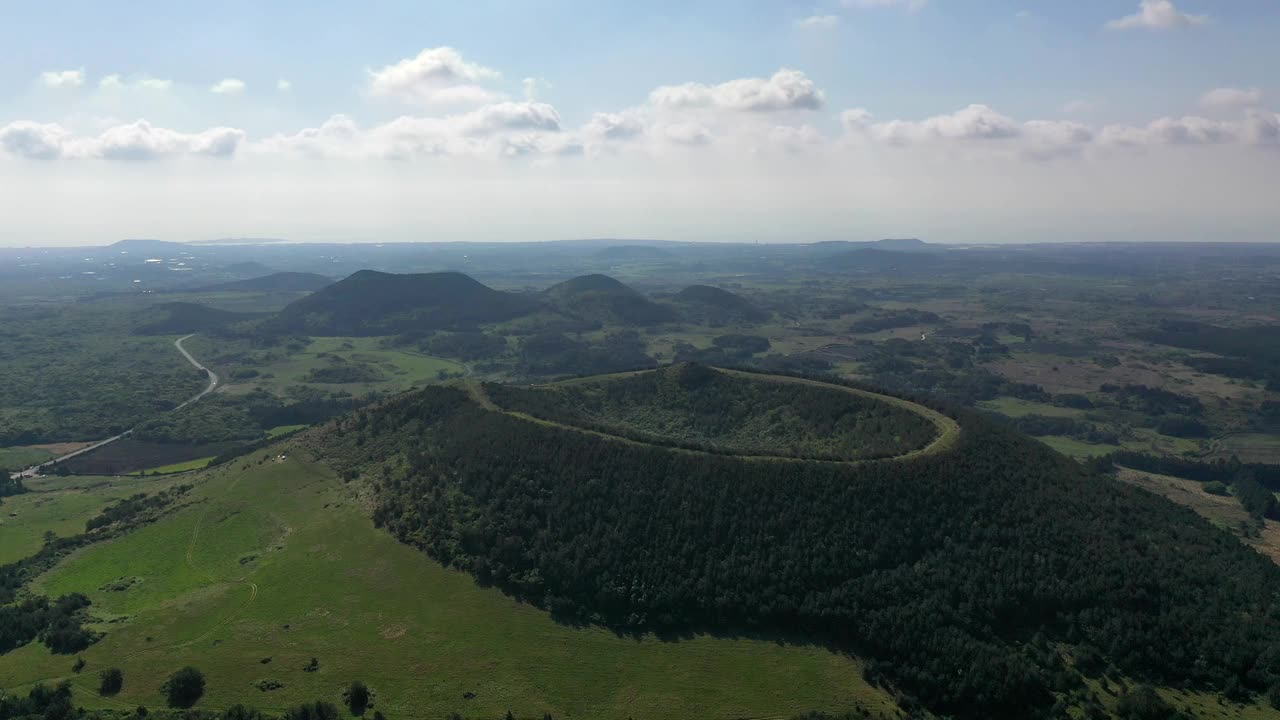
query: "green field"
283, 430
14, 458
61, 506
399, 369
1016, 408
272, 560
188, 466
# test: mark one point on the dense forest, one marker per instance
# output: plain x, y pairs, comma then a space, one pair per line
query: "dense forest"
961, 577
696, 407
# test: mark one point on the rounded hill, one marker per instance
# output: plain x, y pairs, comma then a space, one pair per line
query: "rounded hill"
696, 407
971, 576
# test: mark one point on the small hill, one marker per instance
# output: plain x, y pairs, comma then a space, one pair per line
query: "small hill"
281, 281
978, 579
180, 318
714, 303
601, 298
148, 246
377, 303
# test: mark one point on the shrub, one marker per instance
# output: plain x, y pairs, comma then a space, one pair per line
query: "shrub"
110, 681
1216, 488
318, 710
357, 697
184, 688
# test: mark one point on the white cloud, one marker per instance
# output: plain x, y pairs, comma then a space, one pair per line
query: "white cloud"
228, 86
1257, 128
818, 22
1230, 98
136, 141
62, 78
685, 133
139, 141
34, 141
283, 85
1156, 15
143, 82
911, 5
975, 122
614, 126
436, 76
785, 90
497, 129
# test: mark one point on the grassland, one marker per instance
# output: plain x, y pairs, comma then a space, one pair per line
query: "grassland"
60, 506
273, 560
13, 458
279, 430
1223, 511
188, 466
1016, 408
399, 369
1249, 447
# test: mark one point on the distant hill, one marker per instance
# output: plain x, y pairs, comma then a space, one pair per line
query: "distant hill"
633, 253
148, 246
604, 299
283, 281
180, 318
903, 245
377, 303
878, 260
713, 303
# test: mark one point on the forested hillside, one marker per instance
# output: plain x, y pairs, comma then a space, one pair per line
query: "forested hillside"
375, 303
696, 407
970, 580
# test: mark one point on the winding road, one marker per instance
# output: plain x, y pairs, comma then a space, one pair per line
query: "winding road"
213, 385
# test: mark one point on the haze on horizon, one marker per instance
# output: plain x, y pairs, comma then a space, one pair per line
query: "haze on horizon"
783, 121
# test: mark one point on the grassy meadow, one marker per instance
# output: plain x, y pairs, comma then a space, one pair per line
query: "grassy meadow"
270, 563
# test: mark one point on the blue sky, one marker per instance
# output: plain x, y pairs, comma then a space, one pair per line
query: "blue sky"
848, 118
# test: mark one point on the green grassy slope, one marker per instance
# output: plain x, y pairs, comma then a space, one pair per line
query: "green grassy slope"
61, 506
272, 560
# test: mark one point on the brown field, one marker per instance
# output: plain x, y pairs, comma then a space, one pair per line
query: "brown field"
1222, 511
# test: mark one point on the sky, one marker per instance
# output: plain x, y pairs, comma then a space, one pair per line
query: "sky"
721, 120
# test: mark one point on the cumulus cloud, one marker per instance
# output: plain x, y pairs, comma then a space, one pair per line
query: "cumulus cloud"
137, 141
975, 122
437, 76
1174, 131
785, 90
505, 128
144, 82
228, 86
614, 126
35, 141
1230, 98
818, 22
1156, 15
62, 78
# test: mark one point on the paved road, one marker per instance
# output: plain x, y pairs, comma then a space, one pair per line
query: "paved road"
213, 385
